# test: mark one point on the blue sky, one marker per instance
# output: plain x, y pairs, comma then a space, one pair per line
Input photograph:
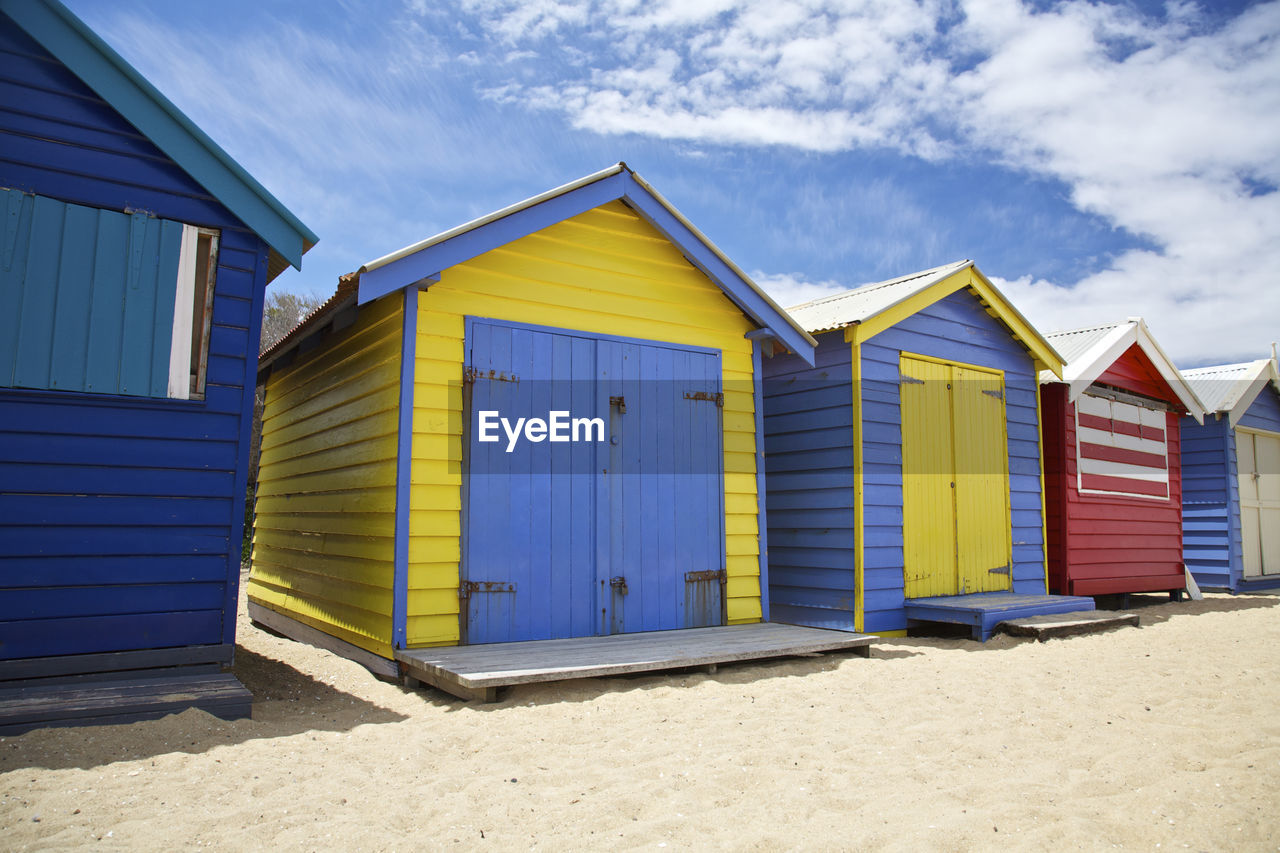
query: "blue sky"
1097, 160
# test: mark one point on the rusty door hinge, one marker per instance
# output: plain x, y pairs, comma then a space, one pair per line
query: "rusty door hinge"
471, 374
695, 577
466, 588
711, 397
619, 583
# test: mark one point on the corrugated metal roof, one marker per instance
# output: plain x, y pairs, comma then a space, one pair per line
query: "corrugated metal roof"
1221, 386
344, 295
854, 306
1074, 343
1090, 351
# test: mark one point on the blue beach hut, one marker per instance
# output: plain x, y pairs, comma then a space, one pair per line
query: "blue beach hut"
1231, 478
135, 257
904, 479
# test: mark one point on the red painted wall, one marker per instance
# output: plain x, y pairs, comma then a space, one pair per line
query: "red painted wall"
1099, 544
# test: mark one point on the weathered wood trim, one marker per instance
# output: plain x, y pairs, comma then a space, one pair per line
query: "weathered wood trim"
68, 665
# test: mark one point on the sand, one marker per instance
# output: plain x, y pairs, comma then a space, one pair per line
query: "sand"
1167, 736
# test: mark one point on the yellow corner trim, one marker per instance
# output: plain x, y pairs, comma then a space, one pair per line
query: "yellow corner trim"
1041, 350
888, 634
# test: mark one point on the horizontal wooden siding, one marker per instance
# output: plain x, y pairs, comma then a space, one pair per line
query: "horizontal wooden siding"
606, 272
120, 517
324, 531
957, 328
809, 483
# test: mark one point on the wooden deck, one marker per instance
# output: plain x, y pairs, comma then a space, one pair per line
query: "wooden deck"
476, 672
1047, 626
121, 700
983, 611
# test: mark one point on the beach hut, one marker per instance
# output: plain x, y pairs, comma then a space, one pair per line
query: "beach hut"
903, 477
1231, 478
135, 257
1113, 468
402, 506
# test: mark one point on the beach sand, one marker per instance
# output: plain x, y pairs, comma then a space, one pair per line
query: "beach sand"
1162, 736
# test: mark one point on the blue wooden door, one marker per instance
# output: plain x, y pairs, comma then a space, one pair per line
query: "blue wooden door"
621, 530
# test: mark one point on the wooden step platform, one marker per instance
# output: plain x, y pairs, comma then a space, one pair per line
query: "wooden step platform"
476, 672
103, 702
1050, 625
983, 611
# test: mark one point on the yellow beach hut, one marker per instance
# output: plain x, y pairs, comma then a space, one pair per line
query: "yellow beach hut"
541, 424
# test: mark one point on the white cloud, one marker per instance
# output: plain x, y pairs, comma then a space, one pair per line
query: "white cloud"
791, 289
1161, 125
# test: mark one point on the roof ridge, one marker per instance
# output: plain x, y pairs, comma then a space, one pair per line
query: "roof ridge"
876, 285
1220, 368
1082, 329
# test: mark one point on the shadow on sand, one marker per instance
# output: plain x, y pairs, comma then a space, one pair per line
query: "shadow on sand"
285, 702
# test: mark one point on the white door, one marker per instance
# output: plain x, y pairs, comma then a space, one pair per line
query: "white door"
1258, 470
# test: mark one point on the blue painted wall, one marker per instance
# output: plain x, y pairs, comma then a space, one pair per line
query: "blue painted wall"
1264, 411
808, 426
957, 328
1212, 543
1210, 511
809, 464
120, 517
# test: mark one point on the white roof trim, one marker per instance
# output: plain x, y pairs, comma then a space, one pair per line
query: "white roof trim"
491, 217
1085, 369
1250, 386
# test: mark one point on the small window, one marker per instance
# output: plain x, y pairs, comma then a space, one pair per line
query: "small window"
102, 301
193, 313
1121, 448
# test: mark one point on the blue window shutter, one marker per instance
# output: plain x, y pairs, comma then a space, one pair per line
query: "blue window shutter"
86, 297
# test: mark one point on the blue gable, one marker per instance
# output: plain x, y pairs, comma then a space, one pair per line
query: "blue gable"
1264, 412
422, 264
61, 35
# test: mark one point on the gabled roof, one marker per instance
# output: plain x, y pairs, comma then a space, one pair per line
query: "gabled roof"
1090, 352
420, 264
868, 310
76, 46
1232, 388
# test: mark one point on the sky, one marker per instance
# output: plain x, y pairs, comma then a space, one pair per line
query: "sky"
1096, 160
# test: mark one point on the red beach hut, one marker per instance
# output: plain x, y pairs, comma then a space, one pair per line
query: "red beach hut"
1113, 474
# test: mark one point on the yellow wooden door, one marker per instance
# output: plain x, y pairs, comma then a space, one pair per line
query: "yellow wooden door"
983, 525
928, 491
955, 479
